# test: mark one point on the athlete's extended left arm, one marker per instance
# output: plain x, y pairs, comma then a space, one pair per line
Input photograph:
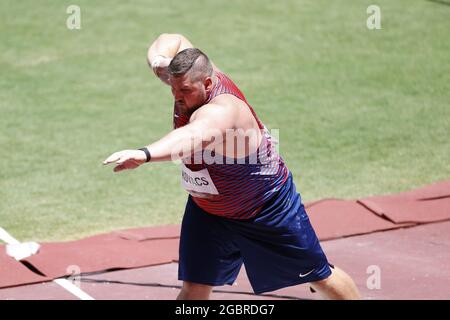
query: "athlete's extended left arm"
208, 126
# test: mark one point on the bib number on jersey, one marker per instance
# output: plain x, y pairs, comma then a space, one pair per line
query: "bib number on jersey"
197, 182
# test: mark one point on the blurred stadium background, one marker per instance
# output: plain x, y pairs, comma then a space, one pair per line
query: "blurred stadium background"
360, 112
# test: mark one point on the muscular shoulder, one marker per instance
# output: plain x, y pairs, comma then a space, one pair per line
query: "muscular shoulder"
229, 111
217, 112
243, 115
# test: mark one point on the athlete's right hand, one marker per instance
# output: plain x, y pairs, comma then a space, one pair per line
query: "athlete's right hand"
126, 159
160, 66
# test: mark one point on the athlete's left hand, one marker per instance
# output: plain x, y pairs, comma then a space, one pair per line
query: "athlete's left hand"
126, 159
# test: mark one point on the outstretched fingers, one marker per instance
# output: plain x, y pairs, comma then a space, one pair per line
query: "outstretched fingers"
112, 158
122, 159
125, 159
117, 157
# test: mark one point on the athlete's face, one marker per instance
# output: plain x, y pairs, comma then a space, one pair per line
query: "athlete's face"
189, 92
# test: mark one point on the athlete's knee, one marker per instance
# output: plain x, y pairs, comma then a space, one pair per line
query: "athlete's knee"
338, 285
194, 291
330, 281
323, 283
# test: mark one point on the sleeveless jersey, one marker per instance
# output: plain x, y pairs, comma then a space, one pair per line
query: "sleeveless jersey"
239, 188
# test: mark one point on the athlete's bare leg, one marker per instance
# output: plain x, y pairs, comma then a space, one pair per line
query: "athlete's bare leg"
194, 291
338, 286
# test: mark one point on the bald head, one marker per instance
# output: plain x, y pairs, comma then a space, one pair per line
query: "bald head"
191, 61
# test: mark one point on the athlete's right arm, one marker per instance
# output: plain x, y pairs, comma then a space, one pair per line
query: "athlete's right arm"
161, 52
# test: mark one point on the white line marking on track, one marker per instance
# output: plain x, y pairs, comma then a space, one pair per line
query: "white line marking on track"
73, 289
6, 237
69, 286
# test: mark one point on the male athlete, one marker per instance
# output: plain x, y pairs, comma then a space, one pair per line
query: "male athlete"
243, 206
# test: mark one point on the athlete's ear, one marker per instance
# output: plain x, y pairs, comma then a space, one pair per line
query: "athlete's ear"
208, 84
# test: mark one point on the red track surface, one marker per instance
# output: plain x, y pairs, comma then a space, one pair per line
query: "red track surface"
406, 237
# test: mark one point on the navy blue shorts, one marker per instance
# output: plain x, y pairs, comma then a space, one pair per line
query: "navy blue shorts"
278, 247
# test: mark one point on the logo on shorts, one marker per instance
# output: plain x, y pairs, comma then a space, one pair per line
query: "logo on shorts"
302, 275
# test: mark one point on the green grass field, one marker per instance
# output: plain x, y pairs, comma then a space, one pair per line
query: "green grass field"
360, 112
